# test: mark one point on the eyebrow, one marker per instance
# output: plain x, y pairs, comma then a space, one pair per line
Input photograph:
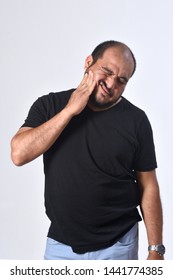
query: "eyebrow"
110, 72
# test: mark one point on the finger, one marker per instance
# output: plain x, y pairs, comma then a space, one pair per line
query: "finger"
91, 82
88, 82
96, 77
84, 80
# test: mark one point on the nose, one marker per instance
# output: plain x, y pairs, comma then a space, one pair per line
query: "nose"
111, 81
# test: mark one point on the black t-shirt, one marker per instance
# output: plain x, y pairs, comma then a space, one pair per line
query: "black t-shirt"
91, 192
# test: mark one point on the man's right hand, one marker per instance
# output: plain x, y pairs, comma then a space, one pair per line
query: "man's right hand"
80, 96
29, 143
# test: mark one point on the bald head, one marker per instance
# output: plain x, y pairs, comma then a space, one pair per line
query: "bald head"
123, 49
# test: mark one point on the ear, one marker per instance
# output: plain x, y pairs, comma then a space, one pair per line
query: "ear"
88, 61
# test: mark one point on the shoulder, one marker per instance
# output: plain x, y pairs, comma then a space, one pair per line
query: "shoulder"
53, 100
130, 107
61, 96
136, 116
132, 111
49, 105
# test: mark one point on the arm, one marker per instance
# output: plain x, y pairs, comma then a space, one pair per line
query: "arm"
151, 209
29, 143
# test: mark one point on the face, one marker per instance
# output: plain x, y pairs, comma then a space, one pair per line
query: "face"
112, 72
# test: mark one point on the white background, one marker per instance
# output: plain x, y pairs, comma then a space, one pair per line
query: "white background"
43, 45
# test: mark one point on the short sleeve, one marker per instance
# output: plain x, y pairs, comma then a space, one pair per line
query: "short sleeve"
46, 107
37, 114
145, 157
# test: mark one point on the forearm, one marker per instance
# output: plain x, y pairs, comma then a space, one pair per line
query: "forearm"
29, 143
151, 209
152, 214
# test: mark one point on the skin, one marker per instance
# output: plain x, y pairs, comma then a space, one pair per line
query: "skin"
151, 209
100, 89
112, 72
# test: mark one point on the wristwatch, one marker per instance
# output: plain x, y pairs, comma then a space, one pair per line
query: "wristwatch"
159, 248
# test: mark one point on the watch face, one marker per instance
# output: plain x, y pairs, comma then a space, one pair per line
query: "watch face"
161, 249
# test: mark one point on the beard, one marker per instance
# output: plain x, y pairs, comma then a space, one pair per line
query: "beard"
99, 104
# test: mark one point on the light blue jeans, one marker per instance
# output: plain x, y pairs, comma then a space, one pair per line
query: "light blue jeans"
125, 249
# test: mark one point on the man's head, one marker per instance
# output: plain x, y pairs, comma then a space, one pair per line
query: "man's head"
113, 64
101, 48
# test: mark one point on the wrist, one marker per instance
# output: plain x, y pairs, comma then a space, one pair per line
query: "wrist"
153, 255
157, 249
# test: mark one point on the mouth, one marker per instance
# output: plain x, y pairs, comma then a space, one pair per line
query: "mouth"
105, 90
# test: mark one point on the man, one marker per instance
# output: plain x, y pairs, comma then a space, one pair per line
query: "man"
99, 163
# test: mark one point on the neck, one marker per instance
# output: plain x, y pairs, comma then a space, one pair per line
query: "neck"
97, 109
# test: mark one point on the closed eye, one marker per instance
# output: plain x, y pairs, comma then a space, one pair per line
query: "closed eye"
122, 81
108, 72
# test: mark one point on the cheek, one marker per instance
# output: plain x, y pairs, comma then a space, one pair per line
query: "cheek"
98, 74
118, 91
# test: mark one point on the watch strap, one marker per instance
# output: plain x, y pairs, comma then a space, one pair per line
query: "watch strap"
159, 248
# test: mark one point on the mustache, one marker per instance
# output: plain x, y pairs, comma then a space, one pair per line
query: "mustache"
103, 84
